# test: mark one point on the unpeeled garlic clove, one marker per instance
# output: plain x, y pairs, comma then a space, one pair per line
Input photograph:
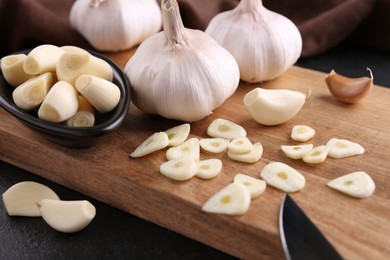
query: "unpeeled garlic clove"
21, 199
273, 106
349, 90
67, 216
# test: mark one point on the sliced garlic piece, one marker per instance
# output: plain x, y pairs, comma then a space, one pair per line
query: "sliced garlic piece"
42, 58
253, 156
155, 142
283, 177
21, 199
240, 145
85, 115
296, 151
12, 69
317, 154
214, 145
302, 133
30, 94
101, 93
273, 106
76, 62
207, 169
255, 186
356, 184
233, 199
60, 103
188, 148
340, 148
225, 129
178, 134
67, 216
180, 169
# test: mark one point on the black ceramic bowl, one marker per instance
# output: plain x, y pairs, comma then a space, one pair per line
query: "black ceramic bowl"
77, 137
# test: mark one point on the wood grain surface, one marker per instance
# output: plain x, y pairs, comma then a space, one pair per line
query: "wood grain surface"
358, 228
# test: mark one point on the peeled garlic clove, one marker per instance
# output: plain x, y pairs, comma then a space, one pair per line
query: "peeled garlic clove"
189, 148
85, 115
129, 23
233, 199
302, 133
255, 186
283, 177
30, 94
42, 58
240, 145
273, 106
180, 169
162, 74
12, 69
102, 94
207, 169
264, 43
214, 145
21, 199
317, 154
226, 129
251, 157
76, 62
178, 134
60, 103
155, 142
355, 184
297, 151
349, 90
340, 148
67, 216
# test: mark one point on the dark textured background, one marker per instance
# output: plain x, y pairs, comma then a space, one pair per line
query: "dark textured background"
114, 234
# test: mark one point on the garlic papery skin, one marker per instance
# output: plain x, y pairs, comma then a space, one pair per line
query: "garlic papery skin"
264, 43
181, 73
115, 25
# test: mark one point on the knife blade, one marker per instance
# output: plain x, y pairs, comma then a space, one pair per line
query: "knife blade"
301, 239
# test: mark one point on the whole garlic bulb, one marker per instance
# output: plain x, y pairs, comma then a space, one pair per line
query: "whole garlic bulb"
181, 73
114, 25
264, 43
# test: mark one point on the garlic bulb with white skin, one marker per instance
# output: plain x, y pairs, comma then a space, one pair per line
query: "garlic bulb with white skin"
181, 73
114, 25
264, 43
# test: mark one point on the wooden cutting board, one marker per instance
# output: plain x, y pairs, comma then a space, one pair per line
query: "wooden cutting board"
358, 228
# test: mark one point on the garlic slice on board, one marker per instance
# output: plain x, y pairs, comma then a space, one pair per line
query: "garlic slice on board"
67, 216
188, 148
253, 156
21, 199
356, 184
207, 169
214, 145
283, 177
340, 148
240, 145
178, 134
180, 169
317, 155
255, 186
225, 129
302, 133
233, 199
155, 142
296, 151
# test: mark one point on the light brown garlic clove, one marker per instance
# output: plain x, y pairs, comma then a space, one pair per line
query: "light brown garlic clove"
349, 90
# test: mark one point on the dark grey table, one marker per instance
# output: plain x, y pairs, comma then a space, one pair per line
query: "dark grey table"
114, 234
